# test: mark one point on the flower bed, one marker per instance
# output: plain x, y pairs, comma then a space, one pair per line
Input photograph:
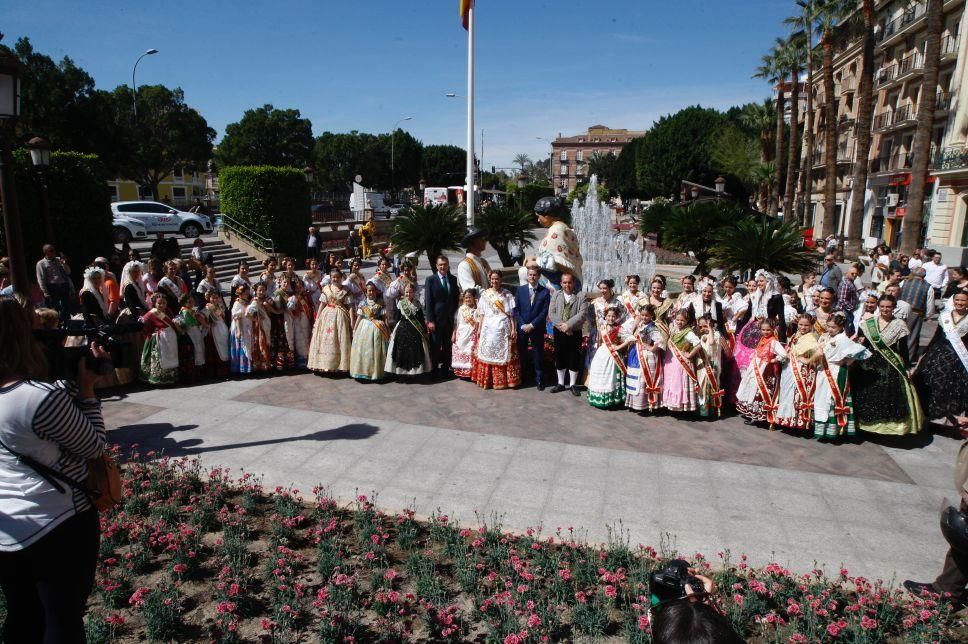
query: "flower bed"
196, 555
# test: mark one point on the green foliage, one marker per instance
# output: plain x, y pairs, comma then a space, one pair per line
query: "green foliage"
695, 228
528, 195
654, 217
272, 201
622, 179
581, 191
79, 202
268, 136
504, 225
428, 229
761, 242
735, 153
444, 165
340, 157
604, 166
678, 147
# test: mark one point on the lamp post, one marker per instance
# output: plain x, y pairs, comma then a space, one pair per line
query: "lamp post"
720, 184
393, 133
10, 72
40, 156
134, 86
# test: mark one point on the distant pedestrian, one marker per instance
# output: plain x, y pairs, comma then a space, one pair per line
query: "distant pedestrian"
916, 292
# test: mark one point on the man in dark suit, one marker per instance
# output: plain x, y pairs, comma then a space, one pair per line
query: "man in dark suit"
441, 301
707, 304
531, 316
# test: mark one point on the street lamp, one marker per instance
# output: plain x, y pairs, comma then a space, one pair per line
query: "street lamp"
10, 73
40, 156
720, 186
134, 87
522, 180
393, 133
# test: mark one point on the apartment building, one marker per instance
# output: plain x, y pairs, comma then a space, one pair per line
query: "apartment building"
570, 154
180, 188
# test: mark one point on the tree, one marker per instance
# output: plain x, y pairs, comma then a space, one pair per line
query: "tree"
580, 191
168, 134
428, 229
761, 242
921, 146
340, 157
695, 228
623, 172
759, 118
268, 136
805, 21
864, 112
655, 216
522, 160
505, 225
444, 165
829, 13
603, 165
794, 53
676, 148
738, 155
774, 70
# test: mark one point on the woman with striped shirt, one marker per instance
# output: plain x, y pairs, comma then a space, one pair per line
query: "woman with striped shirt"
49, 533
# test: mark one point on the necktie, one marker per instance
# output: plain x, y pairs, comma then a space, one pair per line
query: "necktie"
443, 282
532, 294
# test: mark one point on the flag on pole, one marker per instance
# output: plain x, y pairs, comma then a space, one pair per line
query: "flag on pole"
465, 7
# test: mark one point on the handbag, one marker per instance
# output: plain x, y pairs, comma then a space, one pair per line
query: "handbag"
102, 486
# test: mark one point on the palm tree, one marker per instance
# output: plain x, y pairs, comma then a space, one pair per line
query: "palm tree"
763, 174
794, 53
761, 242
829, 13
505, 225
522, 160
758, 117
774, 72
911, 228
695, 228
805, 21
428, 229
864, 116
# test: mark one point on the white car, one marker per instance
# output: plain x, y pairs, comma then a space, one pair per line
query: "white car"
162, 218
126, 229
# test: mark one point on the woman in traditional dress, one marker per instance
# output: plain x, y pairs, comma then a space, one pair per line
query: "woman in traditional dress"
368, 355
864, 312
289, 274
735, 305
766, 303
217, 355
942, 374
688, 295
329, 350
756, 398
799, 377
281, 355
134, 304
885, 400
312, 281
496, 358
465, 335
355, 283
395, 290
173, 287
597, 314
631, 296
299, 323
383, 276
709, 367
209, 284
240, 332
833, 407
679, 379
643, 375
606, 375
268, 275
94, 305
261, 328
241, 278
408, 353
159, 357
661, 302
191, 344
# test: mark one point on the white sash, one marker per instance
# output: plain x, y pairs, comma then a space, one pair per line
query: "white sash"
220, 336
951, 333
168, 348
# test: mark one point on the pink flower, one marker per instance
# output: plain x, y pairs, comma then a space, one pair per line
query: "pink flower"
533, 621
180, 569
115, 619
868, 623
138, 597
611, 592
643, 622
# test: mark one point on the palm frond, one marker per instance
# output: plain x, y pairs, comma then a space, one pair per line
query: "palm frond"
754, 243
428, 229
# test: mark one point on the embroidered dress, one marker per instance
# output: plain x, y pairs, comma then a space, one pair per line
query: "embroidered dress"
159, 356
240, 336
368, 354
885, 401
749, 335
217, 355
329, 350
281, 355
465, 336
643, 375
356, 286
394, 293
942, 377
606, 376
797, 383
299, 326
261, 328
756, 397
833, 410
559, 251
496, 358
679, 379
313, 287
709, 371
631, 301
409, 351
234, 285
597, 311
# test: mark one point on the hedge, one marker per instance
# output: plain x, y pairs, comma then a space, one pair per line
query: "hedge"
80, 208
272, 201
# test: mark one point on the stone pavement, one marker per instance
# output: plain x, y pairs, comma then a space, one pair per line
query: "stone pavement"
546, 459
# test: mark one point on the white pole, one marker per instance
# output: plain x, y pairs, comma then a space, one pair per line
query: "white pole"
469, 194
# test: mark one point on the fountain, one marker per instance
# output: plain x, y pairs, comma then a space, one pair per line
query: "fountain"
607, 253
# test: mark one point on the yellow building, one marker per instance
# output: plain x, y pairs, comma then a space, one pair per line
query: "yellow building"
180, 189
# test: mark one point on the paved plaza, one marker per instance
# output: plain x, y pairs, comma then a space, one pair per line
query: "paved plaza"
536, 458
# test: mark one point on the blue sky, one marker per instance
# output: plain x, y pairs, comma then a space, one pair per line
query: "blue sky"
543, 66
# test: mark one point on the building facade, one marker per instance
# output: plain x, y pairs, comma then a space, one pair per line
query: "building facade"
179, 189
570, 154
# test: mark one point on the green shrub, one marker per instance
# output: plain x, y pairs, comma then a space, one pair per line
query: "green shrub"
272, 201
79, 203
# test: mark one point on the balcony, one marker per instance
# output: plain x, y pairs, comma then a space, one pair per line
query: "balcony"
892, 31
881, 120
943, 102
949, 48
845, 154
886, 75
910, 64
951, 159
892, 162
904, 115
848, 85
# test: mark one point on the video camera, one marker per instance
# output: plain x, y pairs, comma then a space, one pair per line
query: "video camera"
670, 582
63, 360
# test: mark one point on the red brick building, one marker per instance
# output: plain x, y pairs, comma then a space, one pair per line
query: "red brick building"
570, 154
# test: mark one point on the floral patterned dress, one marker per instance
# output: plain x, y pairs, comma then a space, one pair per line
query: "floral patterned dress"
368, 354
465, 337
329, 350
159, 355
496, 357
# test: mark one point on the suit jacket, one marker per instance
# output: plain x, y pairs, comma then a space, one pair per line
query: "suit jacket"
579, 309
535, 314
831, 278
717, 314
441, 306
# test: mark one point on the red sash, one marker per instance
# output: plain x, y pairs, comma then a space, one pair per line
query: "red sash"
769, 402
688, 368
607, 341
805, 408
717, 392
652, 386
841, 408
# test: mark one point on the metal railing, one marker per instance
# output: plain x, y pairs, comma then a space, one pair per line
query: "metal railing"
900, 23
949, 45
246, 234
903, 113
910, 63
886, 74
943, 102
951, 159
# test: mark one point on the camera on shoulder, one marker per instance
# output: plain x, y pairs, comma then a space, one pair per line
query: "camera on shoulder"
669, 583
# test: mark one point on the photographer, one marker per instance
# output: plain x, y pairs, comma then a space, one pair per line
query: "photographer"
681, 613
49, 533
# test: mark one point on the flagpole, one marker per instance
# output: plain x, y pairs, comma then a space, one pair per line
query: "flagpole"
469, 194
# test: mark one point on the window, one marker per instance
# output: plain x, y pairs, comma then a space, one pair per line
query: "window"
564, 155
580, 155
178, 194
564, 169
177, 174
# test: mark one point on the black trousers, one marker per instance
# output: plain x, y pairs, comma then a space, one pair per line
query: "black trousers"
954, 573
47, 584
568, 351
533, 355
441, 348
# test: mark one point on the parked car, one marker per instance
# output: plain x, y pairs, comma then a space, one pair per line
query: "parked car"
126, 229
162, 218
398, 209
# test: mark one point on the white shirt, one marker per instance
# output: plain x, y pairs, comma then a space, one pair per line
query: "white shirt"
915, 263
935, 274
901, 310
311, 241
